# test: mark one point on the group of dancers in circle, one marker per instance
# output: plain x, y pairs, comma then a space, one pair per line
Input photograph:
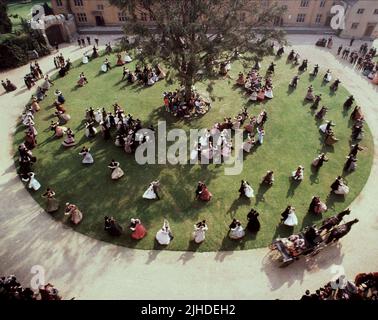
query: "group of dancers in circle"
257, 88
127, 137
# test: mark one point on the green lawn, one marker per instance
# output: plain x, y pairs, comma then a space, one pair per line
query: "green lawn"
23, 10
292, 138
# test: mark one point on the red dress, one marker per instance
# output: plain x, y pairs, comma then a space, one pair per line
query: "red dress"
205, 195
139, 232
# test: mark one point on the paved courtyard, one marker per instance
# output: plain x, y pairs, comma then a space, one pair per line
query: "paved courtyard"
85, 268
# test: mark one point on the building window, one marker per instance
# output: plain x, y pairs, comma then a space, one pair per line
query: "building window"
59, 3
143, 16
355, 25
360, 11
318, 18
301, 17
122, 16
376, 11
100, 7
78, 3
322, 3
82, 17
304, 3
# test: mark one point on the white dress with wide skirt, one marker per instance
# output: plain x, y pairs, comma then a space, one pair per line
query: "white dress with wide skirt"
237, 233
150, 193
291, 219
33, 183
248, 191
163, 236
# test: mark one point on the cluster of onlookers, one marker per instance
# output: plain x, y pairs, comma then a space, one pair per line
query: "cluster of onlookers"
363, 58
364, 287
175, 102
11, 289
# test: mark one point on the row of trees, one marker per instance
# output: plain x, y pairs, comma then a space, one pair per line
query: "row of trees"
192, 36
5, 22
14, 46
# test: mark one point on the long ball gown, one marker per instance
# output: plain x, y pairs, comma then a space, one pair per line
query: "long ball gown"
237, 233
33, 183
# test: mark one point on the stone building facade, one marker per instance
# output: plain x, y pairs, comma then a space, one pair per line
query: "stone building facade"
361, 19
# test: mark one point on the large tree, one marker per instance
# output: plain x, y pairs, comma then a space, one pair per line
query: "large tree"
5, 22
190, 37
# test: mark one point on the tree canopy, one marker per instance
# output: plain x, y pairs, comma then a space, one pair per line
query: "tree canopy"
5, 22
191, 37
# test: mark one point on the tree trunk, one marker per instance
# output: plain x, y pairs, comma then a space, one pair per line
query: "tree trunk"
188, 89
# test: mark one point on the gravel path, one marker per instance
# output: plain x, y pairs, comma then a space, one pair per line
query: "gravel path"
85, 268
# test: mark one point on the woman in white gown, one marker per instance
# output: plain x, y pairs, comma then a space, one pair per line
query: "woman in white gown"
164, 235
117, 172
90, 130
128, 58
85, 59
199, 233
204, 139
269, 92
98, 116
326, 126
151, 192
150, 81
194, 152
253, 96
327, 76
298, 174
87, 157
339, 187
236, 230
246, 190
261, 134
289, 217
33, 183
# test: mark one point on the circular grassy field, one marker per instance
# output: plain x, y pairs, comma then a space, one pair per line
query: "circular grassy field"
292, 138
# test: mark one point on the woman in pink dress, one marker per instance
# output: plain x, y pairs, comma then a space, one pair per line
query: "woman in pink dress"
74, 213
375, 79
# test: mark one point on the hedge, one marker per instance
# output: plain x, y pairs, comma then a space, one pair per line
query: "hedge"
14, 48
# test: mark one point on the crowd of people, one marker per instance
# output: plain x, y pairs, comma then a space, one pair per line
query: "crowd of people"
125, 131
257, 88
362, 58
364, 287
12, 290
164, 235
175, 103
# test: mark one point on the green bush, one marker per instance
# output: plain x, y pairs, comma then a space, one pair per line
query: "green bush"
14, 48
